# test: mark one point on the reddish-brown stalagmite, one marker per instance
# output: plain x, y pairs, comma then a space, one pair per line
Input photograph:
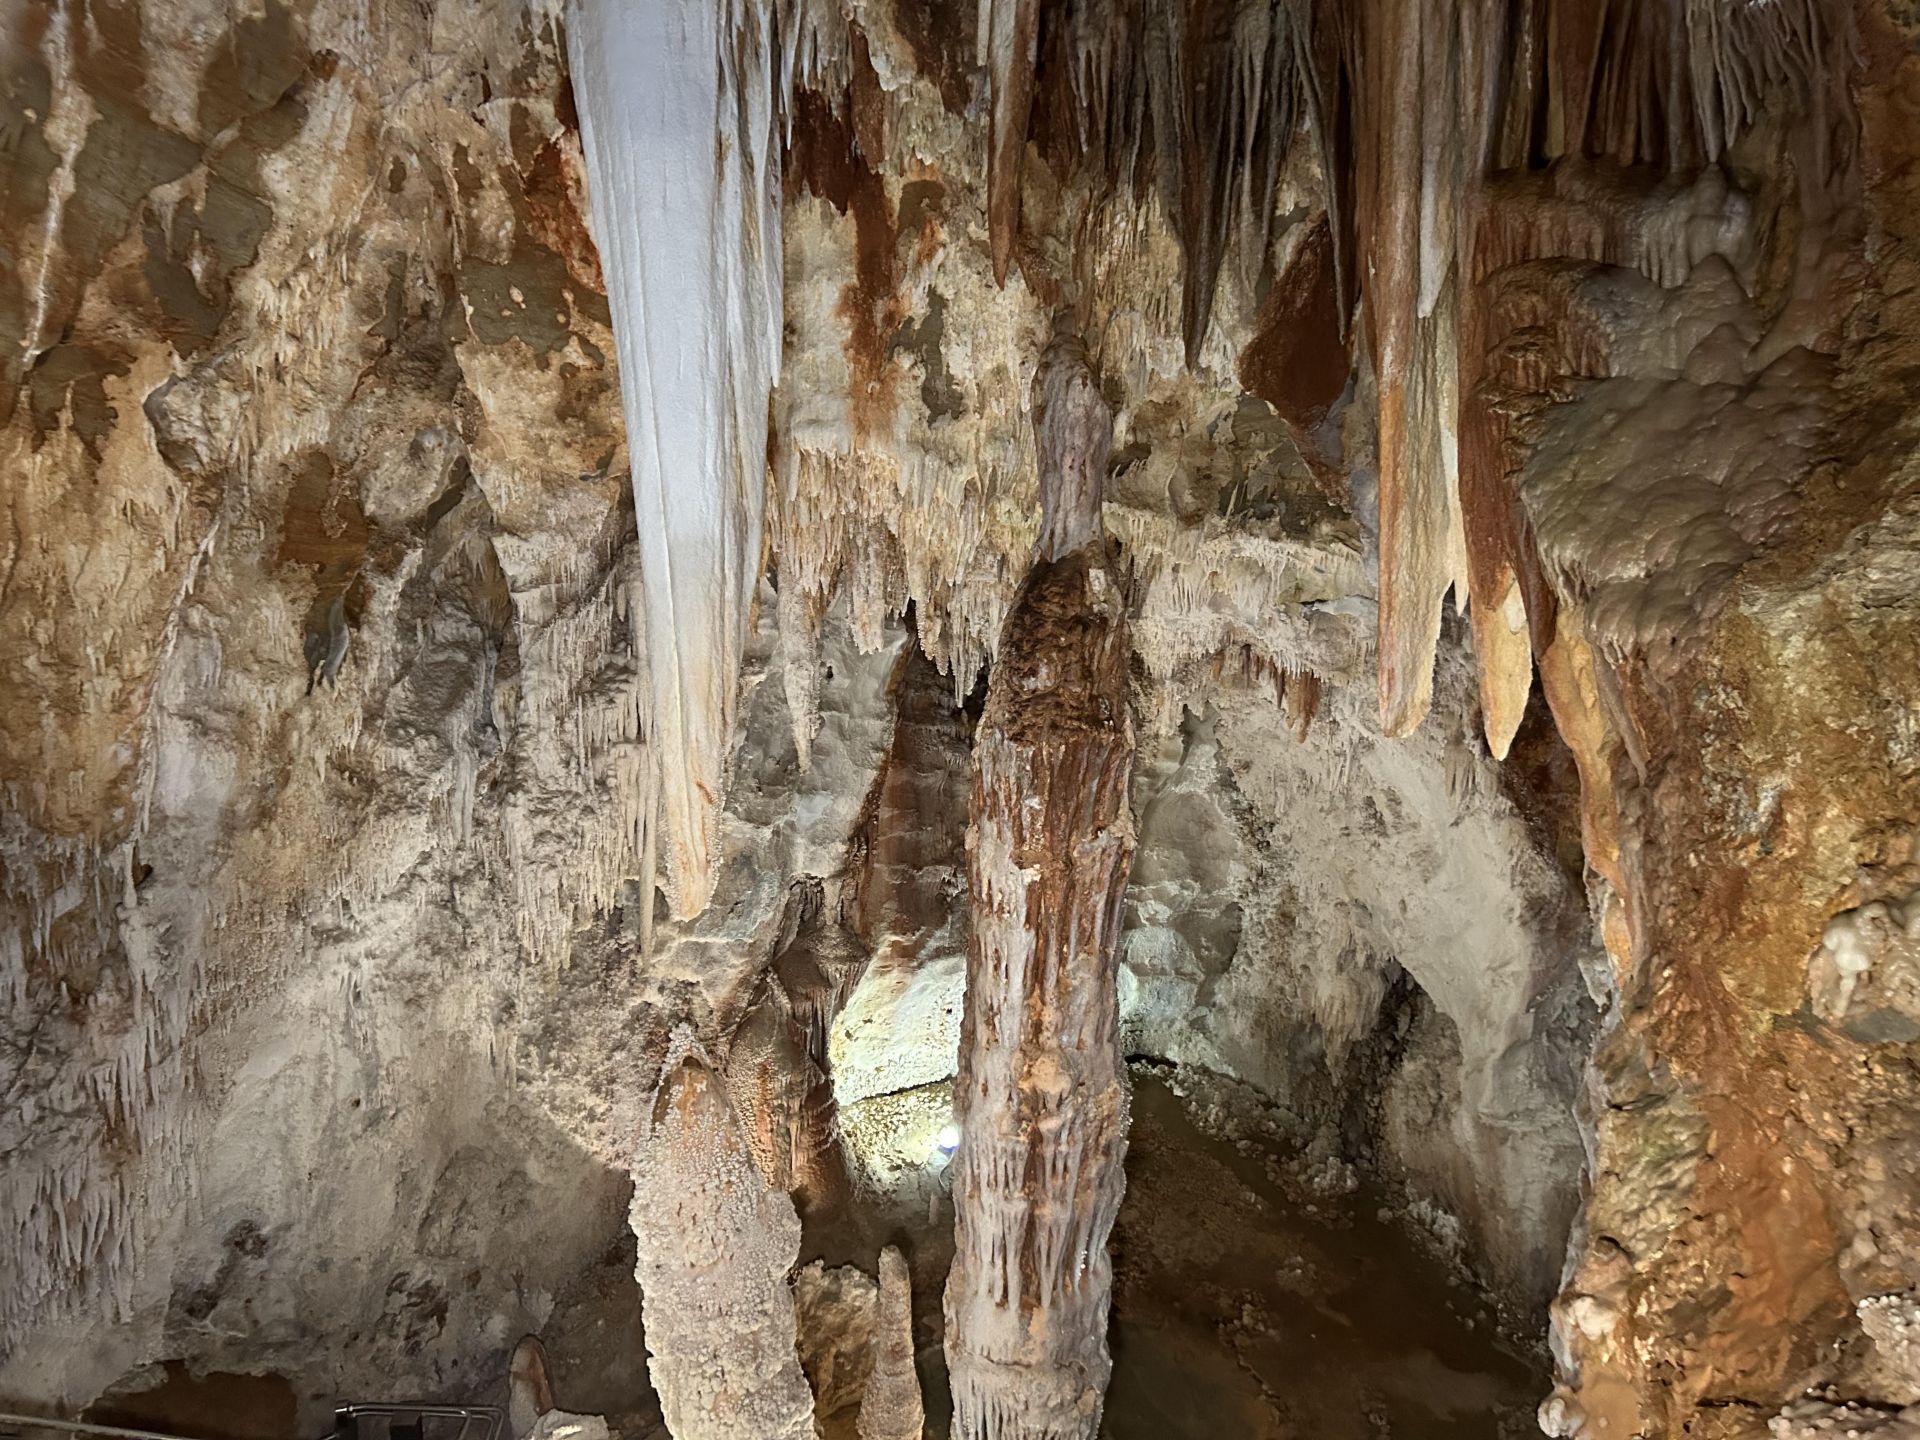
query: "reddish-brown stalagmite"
1041, 1096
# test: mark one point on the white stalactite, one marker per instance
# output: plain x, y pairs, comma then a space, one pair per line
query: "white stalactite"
676, 101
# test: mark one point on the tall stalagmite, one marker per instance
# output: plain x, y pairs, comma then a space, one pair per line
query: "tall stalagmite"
1041, 1095
890, 1407
714, 1242
676, 105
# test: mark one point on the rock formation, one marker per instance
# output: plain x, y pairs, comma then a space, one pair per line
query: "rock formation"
834, 1309
529, 1386
715, 1242
531, 1412
1041, 1097
890, 1407
512, 512
676, 108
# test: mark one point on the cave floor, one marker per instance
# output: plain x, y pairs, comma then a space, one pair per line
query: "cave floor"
1245, 1308
1250, 1304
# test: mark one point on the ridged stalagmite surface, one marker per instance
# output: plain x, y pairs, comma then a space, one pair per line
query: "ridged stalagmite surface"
1041, 1098
891, 1408
714, 1244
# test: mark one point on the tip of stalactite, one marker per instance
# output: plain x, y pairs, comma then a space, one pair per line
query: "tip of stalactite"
1501, 728
691, 868
1301, 697
1002, 247
1197, 312
689, 901
1400, 713
1008, 41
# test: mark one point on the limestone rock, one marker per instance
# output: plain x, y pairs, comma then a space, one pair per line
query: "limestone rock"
890, 1404
1041, 1096
715, 1243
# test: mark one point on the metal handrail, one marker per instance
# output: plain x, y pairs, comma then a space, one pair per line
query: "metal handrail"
491, 1415
82, 1427
466, 1414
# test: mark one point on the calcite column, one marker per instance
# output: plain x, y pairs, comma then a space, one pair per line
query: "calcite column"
891, 1408
714, 1242
1041, 1095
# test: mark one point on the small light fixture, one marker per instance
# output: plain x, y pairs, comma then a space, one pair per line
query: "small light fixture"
948, 1140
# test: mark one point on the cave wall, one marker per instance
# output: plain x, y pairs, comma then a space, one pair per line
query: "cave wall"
309, 324
332, 796
325, 1012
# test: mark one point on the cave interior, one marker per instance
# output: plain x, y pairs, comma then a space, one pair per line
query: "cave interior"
997, 719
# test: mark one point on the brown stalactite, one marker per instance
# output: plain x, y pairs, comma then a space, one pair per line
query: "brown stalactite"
1009, 34
1405, 195
1298, 360
835, 153
1493, 527
1199, 99
1323, 56
1223, 119
1492, 524
1041, 1096
1620, 103
1416, 109
1302, 702
1506, 610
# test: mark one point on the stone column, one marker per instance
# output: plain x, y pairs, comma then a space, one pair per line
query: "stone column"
714, 1244
891, 1408
1041, 1095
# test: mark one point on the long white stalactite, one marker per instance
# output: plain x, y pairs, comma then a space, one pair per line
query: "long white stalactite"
676, 102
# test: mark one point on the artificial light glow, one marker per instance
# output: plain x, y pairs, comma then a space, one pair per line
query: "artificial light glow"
948, 1140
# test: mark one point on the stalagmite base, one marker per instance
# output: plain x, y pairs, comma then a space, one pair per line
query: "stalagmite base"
714, 1243
891, 1408
1041, 1096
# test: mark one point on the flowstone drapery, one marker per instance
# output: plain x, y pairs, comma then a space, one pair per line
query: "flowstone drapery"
676, 104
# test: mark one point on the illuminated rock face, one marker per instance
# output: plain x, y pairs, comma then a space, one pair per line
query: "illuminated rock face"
1041, 1096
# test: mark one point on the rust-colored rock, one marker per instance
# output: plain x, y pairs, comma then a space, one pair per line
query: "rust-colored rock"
1041, 1096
